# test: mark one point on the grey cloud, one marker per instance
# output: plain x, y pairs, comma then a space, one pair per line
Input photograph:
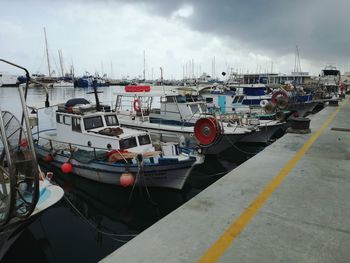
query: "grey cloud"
319, 27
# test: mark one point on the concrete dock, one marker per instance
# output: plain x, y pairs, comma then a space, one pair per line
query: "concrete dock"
289, 203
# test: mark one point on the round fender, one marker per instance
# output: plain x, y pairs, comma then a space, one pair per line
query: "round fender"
263, 103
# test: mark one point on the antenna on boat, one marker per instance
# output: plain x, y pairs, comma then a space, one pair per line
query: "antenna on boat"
95, 92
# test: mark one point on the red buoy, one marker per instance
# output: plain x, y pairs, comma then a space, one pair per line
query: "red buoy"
207, 130
126, 179
67, 168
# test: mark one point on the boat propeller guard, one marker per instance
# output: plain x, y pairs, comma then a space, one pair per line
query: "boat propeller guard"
207, 131
280, 98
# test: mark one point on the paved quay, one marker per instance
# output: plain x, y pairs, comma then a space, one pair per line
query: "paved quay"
289, 203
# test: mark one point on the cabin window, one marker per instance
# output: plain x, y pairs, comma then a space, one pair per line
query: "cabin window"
127, 143
170, 99
76, 124
93, 122
194, 108
144, 139
202, 107
180, 99
111, 120
235, 100
67, 120
209, 100
241, 99
59, 118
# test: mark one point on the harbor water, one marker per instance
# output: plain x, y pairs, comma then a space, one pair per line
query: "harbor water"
94, 219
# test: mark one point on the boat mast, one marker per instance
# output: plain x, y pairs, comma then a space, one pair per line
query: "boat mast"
47, 53
61, 61
144, 65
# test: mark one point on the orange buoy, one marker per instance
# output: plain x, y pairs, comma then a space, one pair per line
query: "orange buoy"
67, 168
126, 179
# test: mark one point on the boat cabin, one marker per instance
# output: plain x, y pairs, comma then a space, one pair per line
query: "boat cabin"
79, 122
162, 108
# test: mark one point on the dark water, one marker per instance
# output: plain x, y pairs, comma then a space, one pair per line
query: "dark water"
94, 219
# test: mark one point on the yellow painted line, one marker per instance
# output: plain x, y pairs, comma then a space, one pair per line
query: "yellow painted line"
221, 245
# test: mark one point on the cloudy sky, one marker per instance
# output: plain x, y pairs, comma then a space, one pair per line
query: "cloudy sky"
111, 36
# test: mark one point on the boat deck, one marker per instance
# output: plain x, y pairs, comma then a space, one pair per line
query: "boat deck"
289, 203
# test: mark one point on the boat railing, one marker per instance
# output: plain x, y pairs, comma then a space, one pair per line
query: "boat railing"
56, 146
19, 171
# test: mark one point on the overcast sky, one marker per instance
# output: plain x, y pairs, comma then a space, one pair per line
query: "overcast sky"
254, 35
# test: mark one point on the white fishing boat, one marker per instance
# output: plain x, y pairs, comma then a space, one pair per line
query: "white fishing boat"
25, 192
88, 141
8, 80
63, 84
174, 117
330, 80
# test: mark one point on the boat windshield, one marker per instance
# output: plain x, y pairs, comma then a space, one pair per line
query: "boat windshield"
202, 107
144, 139
111, 120
93, 122
127, 143
330, 72
194, 108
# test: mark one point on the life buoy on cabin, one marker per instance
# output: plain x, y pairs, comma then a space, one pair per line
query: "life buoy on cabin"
137, 105
279, 94
207, 131
263, 103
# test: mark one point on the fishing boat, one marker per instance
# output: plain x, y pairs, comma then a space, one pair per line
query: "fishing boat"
246, 102
8, 80
25, 191
88, 141
172, 116
330, 80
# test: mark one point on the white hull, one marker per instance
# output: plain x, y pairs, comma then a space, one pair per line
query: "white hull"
153, 175
184, 135
63, 84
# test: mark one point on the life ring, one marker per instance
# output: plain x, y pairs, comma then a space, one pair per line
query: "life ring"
263, 103
207, 131
277, 94
137, 105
